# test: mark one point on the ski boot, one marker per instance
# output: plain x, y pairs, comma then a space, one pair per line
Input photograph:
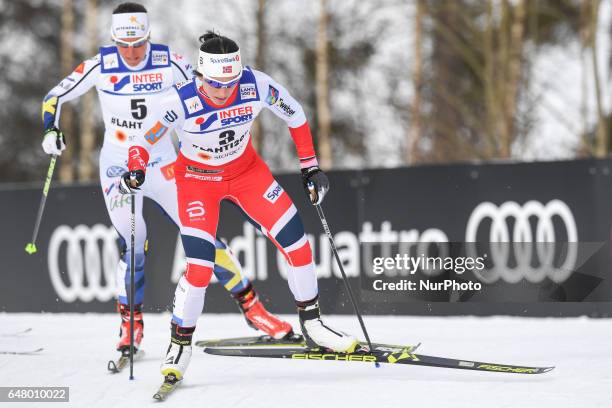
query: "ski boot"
258, 317
318, 334
179, 352
124, 330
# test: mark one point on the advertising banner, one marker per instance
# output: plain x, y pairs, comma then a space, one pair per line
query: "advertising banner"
518, 239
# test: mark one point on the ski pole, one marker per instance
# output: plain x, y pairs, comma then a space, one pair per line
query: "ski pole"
344, 277
132, 266
31, 246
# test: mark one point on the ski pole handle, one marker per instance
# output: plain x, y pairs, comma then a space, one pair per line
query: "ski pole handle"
313, 193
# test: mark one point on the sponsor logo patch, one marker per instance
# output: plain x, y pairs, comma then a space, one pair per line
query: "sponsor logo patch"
67, 84
121, 136
193, 104
181, 84
205, 124
155, 133
203, 171
118, 84
110, 61
140, 82
159, 58
202, 177
272, 95
247, 91
170, 116
115, 171
224, 60
168, 171
119, 201
108, 190
236, 115
273, 192
195, 209
286, 108
154, 162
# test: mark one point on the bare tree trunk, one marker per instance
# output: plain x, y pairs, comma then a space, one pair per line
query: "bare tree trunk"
601, 149
490, 89
501, 81
586, 148
446, 58
322, 90
414, 134
257, 131
514, 64
87, 126
66, 173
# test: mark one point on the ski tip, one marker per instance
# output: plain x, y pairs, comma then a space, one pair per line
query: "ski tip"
204, 343
547, 369
112, 367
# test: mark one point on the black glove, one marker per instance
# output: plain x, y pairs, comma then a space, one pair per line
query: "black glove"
131, 181
316, 184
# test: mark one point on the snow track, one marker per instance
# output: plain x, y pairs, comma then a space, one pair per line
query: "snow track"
78, 346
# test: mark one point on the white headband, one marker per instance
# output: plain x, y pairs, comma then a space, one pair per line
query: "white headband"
130, 25
219, 65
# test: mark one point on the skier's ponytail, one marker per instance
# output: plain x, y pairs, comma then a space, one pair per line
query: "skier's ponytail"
214, 43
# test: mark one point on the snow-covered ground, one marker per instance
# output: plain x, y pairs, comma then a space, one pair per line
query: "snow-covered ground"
77, 347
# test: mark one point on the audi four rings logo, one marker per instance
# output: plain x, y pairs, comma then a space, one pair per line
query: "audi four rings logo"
90, 254
521, 232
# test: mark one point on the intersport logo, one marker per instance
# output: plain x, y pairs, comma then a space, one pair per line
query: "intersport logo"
82, 262
140, 82
524, 240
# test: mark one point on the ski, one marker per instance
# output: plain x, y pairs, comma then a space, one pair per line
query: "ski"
290, 340
22, 353
168, 386
17, 333
116, 366
293, 340
380, 354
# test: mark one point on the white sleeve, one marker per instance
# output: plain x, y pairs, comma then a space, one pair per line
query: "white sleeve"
277, 99
171, 116
181, 67
81, 80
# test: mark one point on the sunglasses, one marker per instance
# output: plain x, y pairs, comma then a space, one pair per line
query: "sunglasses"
133, 44
221, 85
